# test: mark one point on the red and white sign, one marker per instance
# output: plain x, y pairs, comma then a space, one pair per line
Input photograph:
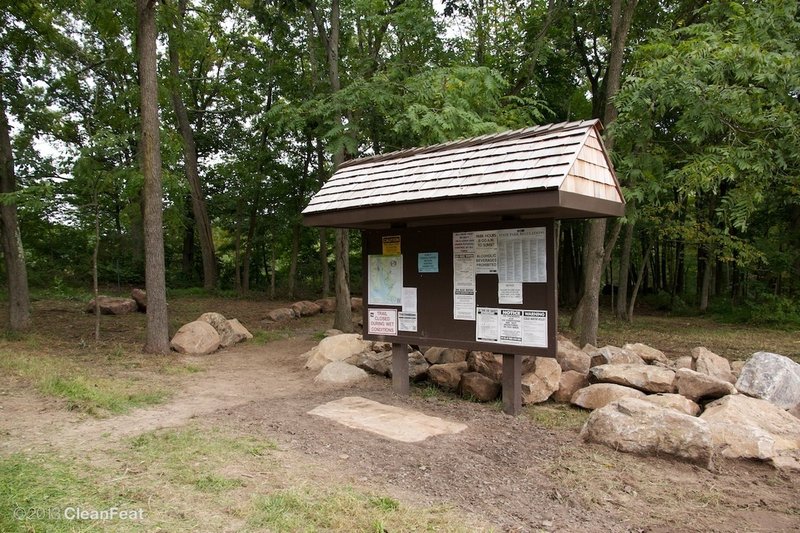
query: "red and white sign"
382, 321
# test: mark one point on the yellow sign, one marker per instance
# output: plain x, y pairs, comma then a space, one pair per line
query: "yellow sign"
391, 245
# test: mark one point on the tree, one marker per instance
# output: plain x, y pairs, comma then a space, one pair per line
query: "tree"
157, 324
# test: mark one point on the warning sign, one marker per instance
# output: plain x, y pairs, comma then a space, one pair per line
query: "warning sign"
382, 322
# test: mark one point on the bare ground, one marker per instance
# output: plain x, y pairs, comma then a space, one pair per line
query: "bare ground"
504, 473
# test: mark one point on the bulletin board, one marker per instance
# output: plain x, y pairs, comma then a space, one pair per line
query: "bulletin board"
487, 286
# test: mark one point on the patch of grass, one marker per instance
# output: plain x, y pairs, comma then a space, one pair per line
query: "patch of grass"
343, 509
263, 336
556, 416
318, 336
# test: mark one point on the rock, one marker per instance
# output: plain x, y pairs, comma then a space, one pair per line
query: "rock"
699, 387
340, 373
438, 356
589, 349
417, 366
600, 394
240, 332
356, 305
636, 426
113, 306
306, 308
326, 305
571, 358
570, 382
140, 297
684, 362
611, 355
771, 377
226, 335
675, 401
336, 348
751, 428
195, 338
527, 365
711, 364
382, 346
375, 363
648, 354
447, 375
331, 332
486, 363
795, 411
539, 385
280, 315
643, 377
736, 367
478, 386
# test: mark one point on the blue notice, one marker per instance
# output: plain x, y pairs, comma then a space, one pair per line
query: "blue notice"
428, 262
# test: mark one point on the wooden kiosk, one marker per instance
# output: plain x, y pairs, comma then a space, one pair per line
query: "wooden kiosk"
459, 242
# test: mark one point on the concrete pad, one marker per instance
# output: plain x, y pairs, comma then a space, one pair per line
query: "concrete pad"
385, 420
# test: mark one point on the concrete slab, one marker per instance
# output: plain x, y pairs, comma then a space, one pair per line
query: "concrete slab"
385, 420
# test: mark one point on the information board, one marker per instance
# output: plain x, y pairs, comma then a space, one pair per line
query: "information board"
487, 286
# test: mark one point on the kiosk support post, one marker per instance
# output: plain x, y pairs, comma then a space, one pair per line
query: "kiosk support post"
512, 384
400, 369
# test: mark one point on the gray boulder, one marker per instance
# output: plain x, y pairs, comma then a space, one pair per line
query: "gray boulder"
771, 377
336, 348
646, 378
439, 356
340, 373
375, 363
227, 336
636, 426
280, 315
195, 338
113, 306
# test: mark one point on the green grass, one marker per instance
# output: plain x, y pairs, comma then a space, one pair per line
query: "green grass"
264, 336
556, 416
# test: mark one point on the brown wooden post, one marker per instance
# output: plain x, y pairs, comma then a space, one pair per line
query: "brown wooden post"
400, 369
512, 384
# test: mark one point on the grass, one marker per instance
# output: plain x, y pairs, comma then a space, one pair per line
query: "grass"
556, 416
264, 336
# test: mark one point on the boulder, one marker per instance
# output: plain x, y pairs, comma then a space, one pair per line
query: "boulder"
447, 375
438, 356
375, 363
356, 305
685, 361
636, 426
646, 378
340, 373
480, 387
711, 364
240, 332
601, 394
569, 382
382, 346
611, 355
326, 305
336, 348
572, 358
736, 367
751, 428
227, 337
771, 377
113, 306
140, 297
306, 308
795, 411
539, 385
280, 315
417, 366
699, 387
648, 354
486, 363
589, 349
195, 338
675, 401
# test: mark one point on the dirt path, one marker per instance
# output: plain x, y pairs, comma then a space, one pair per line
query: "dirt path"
508, 472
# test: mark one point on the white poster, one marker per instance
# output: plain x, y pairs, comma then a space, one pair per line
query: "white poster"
534, 328
385, 277
486, 252
522, 255
486, 324
407, 321
509, 293
511, 327
464, 304
464, 242
410, 300
464, 277
382, 321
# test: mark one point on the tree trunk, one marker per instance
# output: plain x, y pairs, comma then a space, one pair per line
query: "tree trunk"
706, 286
190, 162
588, 311
248, 248
157, 337
293, 261
272, 266
95, 254
19, 305
639, 278
237, 249
624, 268
187, 256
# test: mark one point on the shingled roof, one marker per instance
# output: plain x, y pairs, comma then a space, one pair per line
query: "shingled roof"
555, 170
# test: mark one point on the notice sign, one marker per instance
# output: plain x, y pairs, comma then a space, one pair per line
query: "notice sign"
522, 255
464, 275
515, 327
391, 244
509, 293
407, 321
382, 321
428, 262
486, 252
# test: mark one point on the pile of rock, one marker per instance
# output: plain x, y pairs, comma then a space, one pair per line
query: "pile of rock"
306, 308
111, 305
693, 408
207, 334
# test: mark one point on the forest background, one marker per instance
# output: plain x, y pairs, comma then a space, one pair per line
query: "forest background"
259, 102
